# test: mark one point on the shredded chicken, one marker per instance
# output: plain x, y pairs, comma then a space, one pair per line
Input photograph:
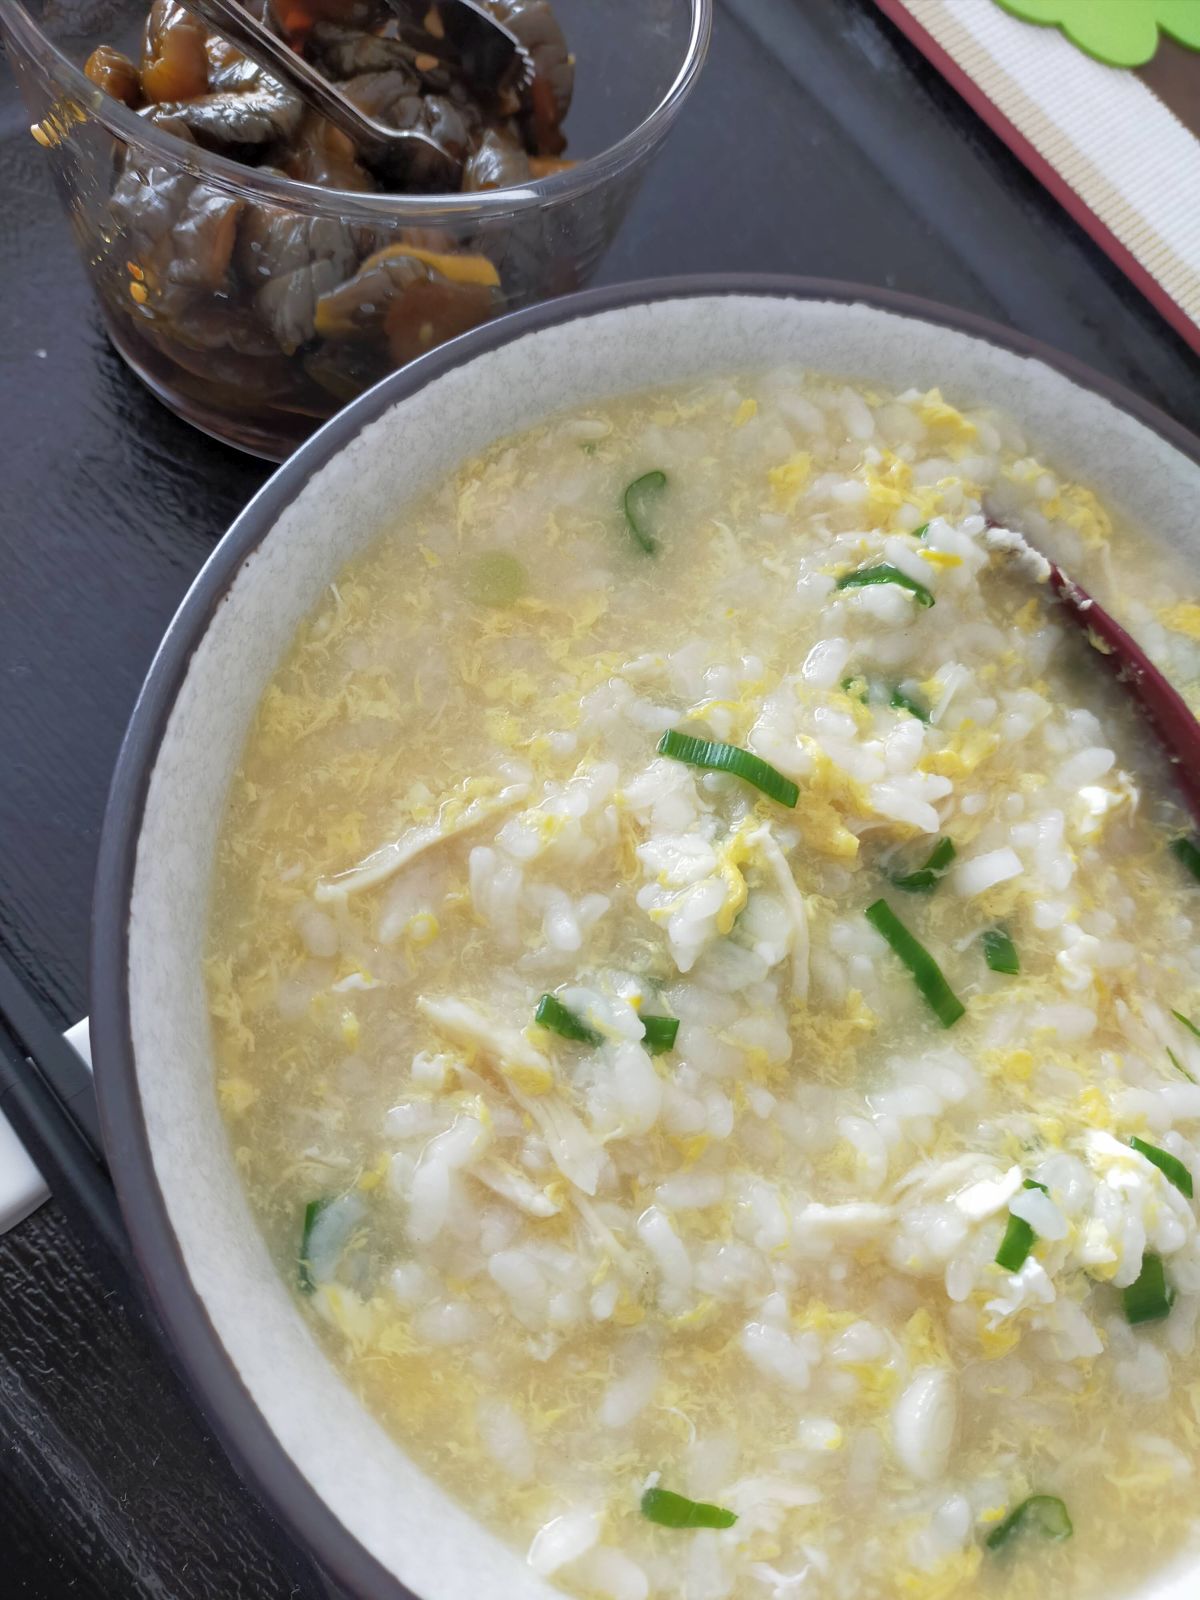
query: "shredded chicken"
511, 1184
385, 862
529, 1077
793, 902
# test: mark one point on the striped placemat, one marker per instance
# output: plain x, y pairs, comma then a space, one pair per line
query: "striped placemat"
1119, 148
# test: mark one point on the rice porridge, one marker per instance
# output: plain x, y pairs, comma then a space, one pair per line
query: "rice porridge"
705, 988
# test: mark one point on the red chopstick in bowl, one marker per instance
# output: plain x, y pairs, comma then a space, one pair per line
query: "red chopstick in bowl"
1164, 707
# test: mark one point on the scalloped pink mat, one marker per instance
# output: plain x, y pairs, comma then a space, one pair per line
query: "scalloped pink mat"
1119, 149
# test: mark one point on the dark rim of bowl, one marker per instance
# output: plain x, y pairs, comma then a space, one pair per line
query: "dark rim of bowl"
228, 1405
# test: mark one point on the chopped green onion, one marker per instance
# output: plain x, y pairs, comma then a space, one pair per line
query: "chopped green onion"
1014, 1248
1187, 1022
1041, 1513
926, 877
905, 702
858, 688
304, 1275
1150, 1297
1170, 1166
1188, 851
1019, 1238
1000, 952
729, 758
496, 579
649, 484
899, 700
552, 1014
919, 533
677, 1511
946, 1005
1178, 1065
884, 572
660, 1034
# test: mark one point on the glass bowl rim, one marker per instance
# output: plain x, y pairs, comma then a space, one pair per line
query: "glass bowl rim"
247, 182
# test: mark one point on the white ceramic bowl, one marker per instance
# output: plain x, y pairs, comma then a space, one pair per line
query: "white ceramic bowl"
372, 1518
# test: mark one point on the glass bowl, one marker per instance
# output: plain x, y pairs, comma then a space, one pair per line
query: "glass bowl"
263, 373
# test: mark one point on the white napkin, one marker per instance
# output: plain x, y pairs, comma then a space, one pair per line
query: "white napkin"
22, 1187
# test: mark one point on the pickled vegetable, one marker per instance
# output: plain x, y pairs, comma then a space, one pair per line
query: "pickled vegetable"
211, 284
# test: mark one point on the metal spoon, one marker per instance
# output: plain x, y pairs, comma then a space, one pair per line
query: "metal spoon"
396, 153
1164, 708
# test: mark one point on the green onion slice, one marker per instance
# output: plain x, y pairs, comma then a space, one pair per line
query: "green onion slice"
905, 702
672, 1510
304, 1275
858, 688
919, 533
552, 1014
884, 572
1178, 1065
660, 1034
1150, 1297
729, 758
1014, 1248
926, 877
1170, 1166
1041, 1513
1000, 952
1187, 1022
636, 495
927, 975
1019, 1238
1187, 851
496, 578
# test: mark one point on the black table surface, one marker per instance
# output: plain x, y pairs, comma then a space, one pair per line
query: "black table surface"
818, 142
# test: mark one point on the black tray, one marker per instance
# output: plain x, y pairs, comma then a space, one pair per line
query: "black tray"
819, 142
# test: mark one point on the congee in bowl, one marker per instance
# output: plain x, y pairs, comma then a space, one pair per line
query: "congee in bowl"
705, 992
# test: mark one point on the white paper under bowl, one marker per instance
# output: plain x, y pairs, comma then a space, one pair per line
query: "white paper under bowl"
343, 1486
